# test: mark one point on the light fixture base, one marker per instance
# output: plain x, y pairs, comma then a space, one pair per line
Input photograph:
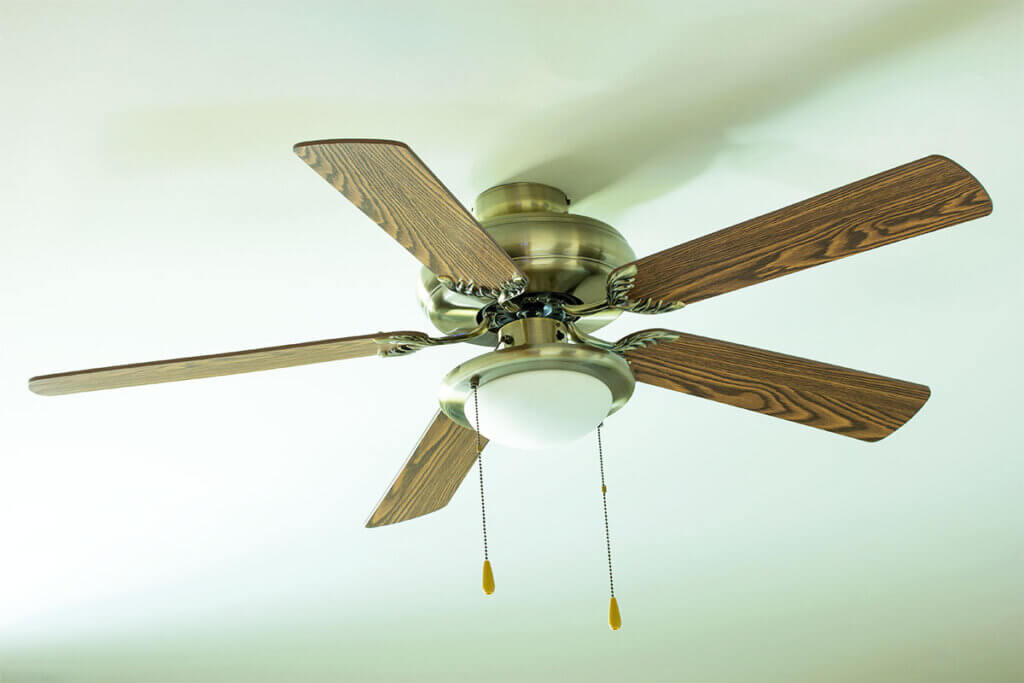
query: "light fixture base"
606, 366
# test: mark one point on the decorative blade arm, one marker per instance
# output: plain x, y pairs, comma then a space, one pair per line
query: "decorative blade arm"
409, 342
631, 342
620, 281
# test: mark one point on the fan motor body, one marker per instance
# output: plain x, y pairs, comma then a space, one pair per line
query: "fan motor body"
560, 253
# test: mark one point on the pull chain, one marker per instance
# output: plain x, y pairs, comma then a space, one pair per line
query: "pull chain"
488, 577
614, 618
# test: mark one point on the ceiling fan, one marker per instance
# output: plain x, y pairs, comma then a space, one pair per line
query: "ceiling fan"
533, 281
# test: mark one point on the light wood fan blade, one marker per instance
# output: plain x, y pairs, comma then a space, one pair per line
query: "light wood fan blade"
903, 202
848, 402
429, 478
195, 367
390, 184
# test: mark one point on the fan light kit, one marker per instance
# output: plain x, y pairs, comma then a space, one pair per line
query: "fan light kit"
533, 282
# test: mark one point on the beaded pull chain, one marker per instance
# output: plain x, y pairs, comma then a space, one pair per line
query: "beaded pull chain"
614, 618
488, 577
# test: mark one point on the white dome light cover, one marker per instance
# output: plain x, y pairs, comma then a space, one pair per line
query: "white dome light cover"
535, 395
540, 408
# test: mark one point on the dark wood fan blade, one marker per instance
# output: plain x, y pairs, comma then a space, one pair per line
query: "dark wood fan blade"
195, 367
903, 202
429, 478
848, 402
390, 184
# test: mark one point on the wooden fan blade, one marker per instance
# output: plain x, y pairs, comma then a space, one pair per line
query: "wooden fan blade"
903, 202
429, 478
390, 184
195, 367
848, 402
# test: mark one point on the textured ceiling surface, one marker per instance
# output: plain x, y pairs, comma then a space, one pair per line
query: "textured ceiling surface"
213, 530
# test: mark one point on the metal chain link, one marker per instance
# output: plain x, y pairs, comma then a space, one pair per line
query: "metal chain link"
480, 467
604, 503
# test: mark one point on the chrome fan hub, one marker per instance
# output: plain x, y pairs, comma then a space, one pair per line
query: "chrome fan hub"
560, 253
538, 389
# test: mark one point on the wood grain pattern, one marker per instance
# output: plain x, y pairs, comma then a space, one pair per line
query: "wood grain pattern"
848, 402
195, 367
429, 478
903, 202
390, 184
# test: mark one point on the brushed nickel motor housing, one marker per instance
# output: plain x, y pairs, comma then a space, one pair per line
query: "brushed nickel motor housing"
534, 344
557, 251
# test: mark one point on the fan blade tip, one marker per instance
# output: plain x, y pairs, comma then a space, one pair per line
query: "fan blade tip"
926, 393
348, 141
943, 159
986, 197
882, 437
375, 522
386, 519
39, 386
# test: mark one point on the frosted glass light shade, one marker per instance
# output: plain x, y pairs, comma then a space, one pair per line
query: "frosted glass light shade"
540, 408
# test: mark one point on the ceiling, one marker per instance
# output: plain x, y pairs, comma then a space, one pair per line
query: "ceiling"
213, 530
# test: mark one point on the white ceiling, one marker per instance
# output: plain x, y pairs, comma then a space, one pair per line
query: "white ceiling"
212, 530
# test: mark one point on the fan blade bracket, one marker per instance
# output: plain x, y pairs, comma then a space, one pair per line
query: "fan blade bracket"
405, 343
631, 342
643, 339
509, 289
622, 280
504, 294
